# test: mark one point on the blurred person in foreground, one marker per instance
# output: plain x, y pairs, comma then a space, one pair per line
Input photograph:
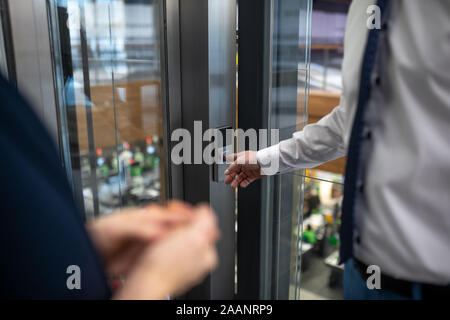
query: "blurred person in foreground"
393, 123
159, 251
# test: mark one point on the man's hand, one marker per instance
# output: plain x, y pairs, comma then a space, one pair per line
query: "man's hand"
122, 237
244, 170
177, 262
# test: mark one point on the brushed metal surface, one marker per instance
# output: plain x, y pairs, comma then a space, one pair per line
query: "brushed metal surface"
208, 77
172, 92
34, 68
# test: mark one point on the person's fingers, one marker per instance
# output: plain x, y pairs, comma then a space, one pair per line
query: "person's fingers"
153, 211
237, 181
180, 207
122, 262
145, 231
176, 212
211, 259
150, 223
186, 255
155, 221
229, 178
205, 249
234, 184
205, 223
234, 167
245, 183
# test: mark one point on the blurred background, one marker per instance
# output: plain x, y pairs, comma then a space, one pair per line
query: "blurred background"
321, 274
111, 78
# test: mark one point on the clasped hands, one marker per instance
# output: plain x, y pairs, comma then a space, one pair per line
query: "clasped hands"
165, 250
159, 250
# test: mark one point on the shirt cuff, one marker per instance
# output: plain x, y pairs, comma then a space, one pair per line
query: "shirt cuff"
269, 160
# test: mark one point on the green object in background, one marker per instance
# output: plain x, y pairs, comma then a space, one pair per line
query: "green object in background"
104, 169
136, 171
149, 162
334, 241
309, 236
114, 164
139, 158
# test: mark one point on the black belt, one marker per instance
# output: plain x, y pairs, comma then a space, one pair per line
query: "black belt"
405, 288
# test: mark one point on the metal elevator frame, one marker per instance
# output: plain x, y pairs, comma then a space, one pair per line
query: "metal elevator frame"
198, 84
208, 82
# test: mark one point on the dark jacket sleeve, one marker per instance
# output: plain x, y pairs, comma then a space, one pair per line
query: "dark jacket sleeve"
41, 231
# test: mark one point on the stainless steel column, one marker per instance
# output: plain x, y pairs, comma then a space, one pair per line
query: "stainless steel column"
36, 76
171, 78
208, 81
33, 56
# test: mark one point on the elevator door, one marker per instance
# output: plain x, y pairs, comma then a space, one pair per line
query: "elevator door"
3, 56
274, 46
7, 64
287, 112
111, 80
108, 65
109, 62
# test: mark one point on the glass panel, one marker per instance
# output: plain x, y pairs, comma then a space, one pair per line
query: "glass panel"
3, 58
5, 42
321, 274
288, 113
327, 53
110, 59
328, 29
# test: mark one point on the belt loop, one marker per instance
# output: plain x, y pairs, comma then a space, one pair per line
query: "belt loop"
417, 291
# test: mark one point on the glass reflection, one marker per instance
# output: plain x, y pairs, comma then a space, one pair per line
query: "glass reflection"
3, 59
112, 87
321, 272
288, 113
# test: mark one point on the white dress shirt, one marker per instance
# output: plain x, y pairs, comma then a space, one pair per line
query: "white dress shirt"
402, 213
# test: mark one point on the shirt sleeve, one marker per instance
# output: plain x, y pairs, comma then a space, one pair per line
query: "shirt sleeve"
315, 144
327, 139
